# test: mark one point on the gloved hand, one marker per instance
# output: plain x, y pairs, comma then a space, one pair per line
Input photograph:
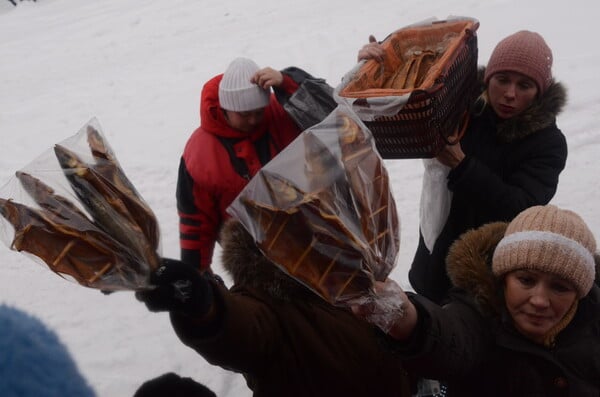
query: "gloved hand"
179, 288
384, 308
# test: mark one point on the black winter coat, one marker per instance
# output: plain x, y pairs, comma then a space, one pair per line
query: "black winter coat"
471, 345
509, 166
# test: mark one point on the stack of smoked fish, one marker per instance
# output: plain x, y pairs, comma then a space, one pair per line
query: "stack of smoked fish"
107, 238
323, 211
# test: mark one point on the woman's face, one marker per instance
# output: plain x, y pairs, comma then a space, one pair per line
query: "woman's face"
537, 301
510, 93
245, 121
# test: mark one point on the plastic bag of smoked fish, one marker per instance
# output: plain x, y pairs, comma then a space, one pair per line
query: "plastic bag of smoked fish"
323, 211
74, 210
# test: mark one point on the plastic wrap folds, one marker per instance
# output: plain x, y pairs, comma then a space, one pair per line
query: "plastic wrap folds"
74, 209
323, 211
384, 308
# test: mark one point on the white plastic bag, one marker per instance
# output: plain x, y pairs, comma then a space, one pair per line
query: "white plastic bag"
435, 201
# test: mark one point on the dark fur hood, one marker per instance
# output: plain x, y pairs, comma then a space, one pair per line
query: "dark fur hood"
469, 266
541, 114
249, 267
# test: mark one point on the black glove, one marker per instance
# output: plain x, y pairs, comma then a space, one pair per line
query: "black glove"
179, 288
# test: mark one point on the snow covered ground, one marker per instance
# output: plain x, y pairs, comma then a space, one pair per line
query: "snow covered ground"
138, 66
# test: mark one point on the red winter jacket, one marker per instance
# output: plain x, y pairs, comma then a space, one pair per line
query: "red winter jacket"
208, 181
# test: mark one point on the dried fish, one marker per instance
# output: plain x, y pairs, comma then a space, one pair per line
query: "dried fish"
369, 181
108, 167
335, 227
104, 203
305, 242
91, 257
57, 205
108, 240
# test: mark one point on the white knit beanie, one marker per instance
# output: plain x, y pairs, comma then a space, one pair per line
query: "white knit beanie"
551, 240
236, 92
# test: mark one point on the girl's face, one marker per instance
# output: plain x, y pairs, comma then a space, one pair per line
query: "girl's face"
537, 301
510, 93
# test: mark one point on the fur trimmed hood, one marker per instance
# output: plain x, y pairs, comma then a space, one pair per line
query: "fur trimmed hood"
541, 114
469, 266
249, 267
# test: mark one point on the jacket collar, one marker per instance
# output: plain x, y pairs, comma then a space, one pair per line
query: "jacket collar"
469, 266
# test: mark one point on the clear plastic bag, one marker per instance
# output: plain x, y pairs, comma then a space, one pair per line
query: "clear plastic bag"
323, 211
383, 308
74, 210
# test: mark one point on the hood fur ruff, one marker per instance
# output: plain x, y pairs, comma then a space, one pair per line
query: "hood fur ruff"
249, 267
469, 266
541, 114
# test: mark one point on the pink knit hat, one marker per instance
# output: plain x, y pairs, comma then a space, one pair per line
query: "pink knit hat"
552, 240
523, 52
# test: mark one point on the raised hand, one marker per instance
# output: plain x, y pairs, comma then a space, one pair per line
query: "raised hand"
267, 78
180, 288
372, 50
388, 308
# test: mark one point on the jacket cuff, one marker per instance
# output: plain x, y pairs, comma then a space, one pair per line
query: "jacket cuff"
415, 343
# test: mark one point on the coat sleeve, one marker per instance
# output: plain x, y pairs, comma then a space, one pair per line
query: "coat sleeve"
533, 181
239, 318
199, 220
449, 343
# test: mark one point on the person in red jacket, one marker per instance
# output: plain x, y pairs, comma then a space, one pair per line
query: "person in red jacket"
243, 126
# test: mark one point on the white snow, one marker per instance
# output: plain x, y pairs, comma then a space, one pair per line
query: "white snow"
138, 66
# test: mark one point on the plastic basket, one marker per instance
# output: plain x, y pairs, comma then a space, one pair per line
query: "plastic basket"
420, 95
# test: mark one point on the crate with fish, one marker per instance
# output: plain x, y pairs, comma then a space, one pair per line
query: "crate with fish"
74, 210
419, 96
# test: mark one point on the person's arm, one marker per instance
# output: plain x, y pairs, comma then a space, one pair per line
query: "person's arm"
436, 342
179, 288
451, 155
448, 342
390, 310
223, 326
292, 78
267, 78
533, 181
284, 83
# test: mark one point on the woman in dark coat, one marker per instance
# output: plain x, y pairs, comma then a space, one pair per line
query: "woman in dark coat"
285, 339
509, 159
525, 318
